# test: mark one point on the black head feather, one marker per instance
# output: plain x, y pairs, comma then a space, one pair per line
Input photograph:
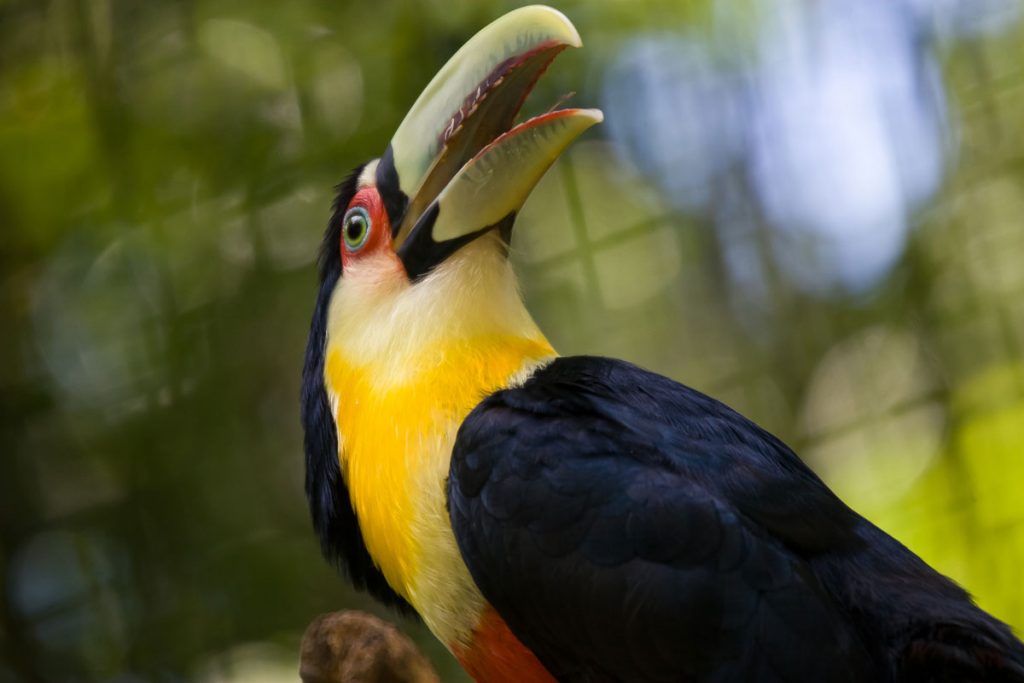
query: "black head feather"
329, 504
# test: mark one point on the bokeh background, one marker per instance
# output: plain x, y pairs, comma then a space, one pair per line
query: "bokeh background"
811, 209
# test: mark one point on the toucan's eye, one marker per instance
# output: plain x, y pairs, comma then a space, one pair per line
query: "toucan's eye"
355, 228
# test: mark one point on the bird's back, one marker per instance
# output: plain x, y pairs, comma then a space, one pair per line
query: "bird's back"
599, 493
919, 623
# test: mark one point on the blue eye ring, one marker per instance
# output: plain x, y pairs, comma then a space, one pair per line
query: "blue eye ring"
355, 228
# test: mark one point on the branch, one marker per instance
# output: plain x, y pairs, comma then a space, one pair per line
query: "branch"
356, 647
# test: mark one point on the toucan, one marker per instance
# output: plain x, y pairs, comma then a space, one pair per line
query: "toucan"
571, 518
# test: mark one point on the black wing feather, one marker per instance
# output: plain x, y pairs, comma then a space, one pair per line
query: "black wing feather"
628, 528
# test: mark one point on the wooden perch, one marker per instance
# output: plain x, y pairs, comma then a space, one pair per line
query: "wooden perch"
356, 647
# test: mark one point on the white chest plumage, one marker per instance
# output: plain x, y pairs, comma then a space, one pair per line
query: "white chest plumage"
401, 382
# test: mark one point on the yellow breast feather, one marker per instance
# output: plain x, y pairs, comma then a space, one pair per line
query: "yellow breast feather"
390, 435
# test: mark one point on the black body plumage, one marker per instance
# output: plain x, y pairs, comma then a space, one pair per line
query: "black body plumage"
628, 528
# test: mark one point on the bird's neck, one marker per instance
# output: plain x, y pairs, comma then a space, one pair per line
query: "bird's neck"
402, 375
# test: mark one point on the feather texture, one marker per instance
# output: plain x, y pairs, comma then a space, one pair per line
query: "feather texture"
628, 528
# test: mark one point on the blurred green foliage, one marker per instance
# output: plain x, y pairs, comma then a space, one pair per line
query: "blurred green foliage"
166, 170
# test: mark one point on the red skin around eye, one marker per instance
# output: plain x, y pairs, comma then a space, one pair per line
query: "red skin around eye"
380, 229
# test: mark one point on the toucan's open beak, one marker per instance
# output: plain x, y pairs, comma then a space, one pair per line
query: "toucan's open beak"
458, 166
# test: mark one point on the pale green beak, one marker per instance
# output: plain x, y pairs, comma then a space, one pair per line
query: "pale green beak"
457, 166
